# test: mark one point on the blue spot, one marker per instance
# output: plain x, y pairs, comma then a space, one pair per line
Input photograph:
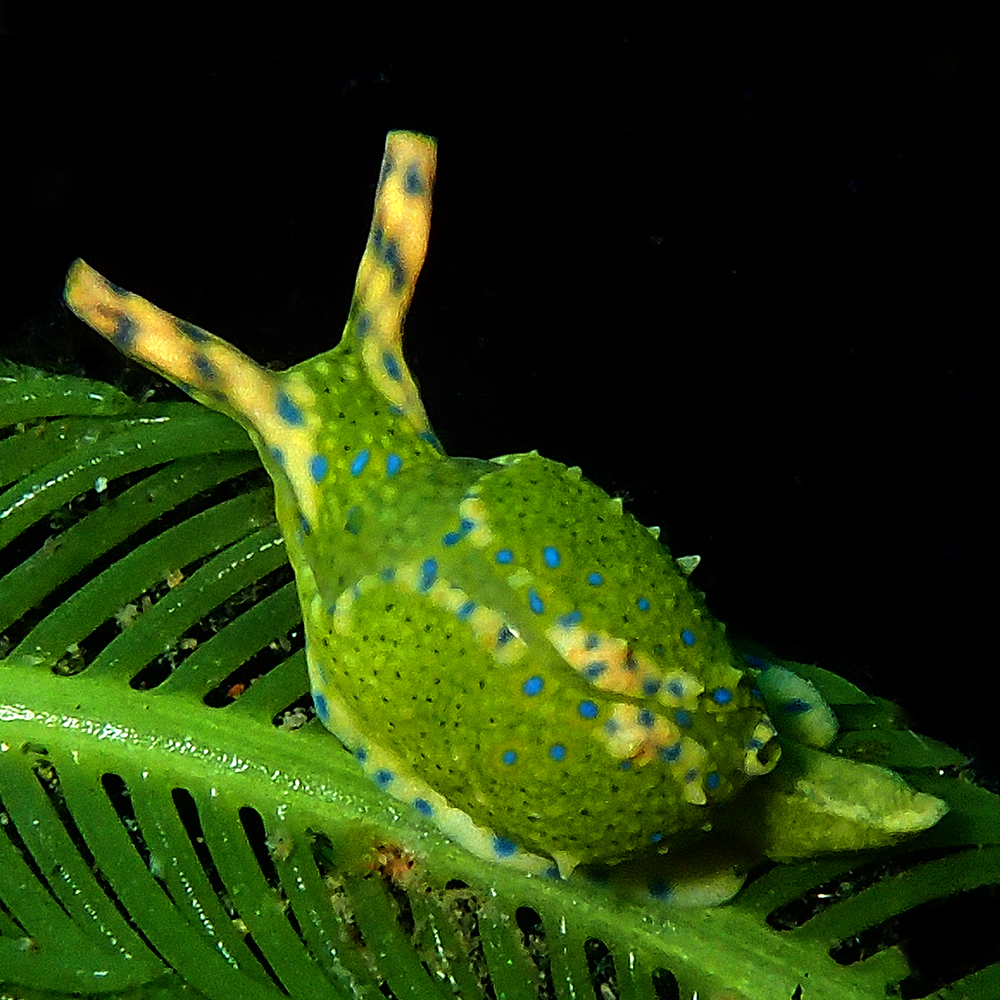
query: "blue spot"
625, 765
690, 774
428, 574
124, 333
588, 709
756, 693
352, 523
431, 438
509, 757
503, 848
536, 604
655, 838
391, 366
650, 686
557, 752
642, 604
362, 324
611, 727
322, 708
753, 743
753, 660
796, 706
304, 525
722, 696
389, 573
393, 463
361, 754
278, 455
595, 579
592, 641
390, 255
570, 618
192, 332
504, 635
288, 411
676, 688
383, 777
712, 781
465, 610
646, 718
683, 718
533, 685
205, 368
505, 556
687, 637
317, 467
659, 889
551, 556
423, 806
594, 670
413, 183
360, 461
464, 527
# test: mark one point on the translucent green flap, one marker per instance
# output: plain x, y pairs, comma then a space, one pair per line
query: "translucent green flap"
173, 820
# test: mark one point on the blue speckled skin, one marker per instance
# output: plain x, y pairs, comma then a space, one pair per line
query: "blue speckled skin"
504, 648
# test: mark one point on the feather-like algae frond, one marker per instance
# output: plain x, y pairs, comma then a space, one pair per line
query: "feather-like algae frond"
173, 820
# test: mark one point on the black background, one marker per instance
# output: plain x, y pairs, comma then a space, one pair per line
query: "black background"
742, 286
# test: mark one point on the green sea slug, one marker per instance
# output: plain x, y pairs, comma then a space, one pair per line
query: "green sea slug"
503, 647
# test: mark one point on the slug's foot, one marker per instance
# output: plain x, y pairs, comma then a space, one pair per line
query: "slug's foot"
708, 872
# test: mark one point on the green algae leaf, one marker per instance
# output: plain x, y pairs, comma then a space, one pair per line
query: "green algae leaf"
173, 822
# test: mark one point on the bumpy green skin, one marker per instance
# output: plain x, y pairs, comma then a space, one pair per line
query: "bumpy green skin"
504, 649
527, 710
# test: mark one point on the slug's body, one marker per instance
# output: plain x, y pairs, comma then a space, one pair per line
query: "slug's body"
503, 648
